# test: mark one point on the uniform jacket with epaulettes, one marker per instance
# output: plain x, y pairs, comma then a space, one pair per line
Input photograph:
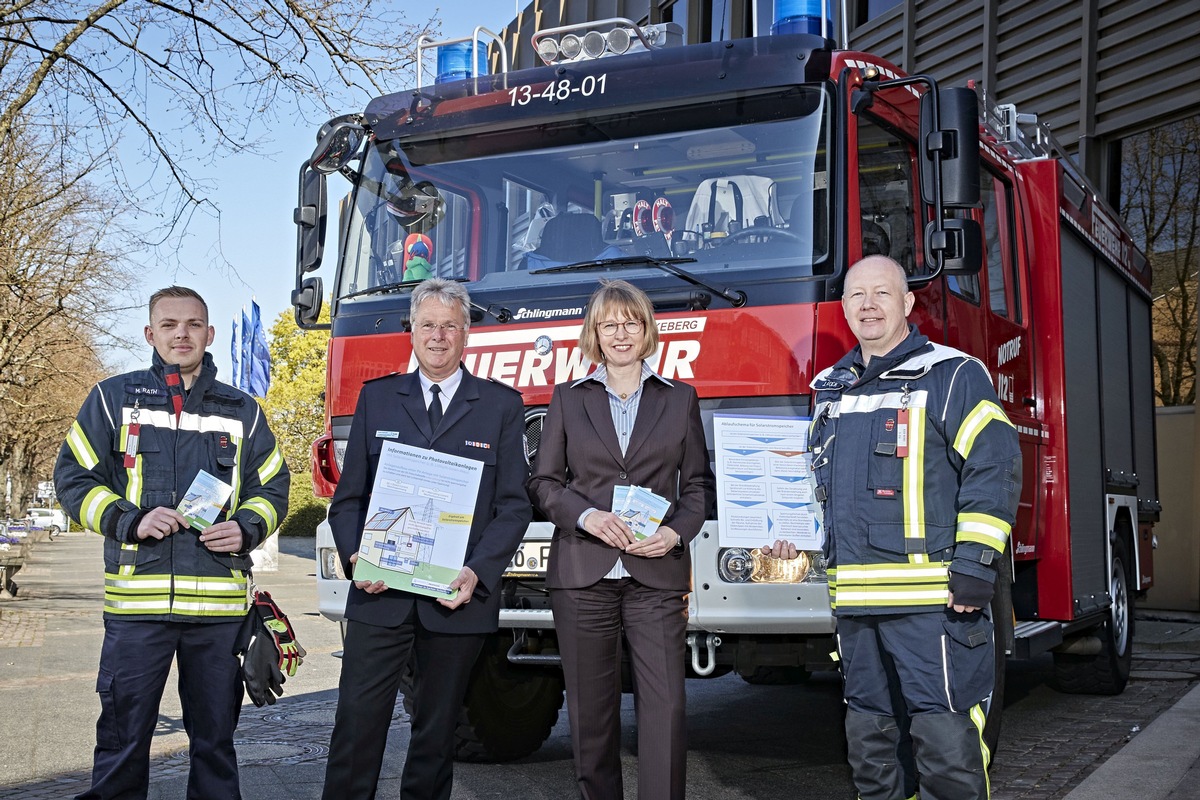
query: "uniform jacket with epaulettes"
895, 526
221, 430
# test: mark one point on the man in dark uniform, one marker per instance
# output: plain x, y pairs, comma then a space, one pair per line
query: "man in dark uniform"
171, 591
918, 471
444, 408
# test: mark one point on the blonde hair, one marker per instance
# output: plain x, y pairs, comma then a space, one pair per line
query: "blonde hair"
614, 297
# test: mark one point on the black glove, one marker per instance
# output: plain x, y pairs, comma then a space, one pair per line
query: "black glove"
268, 648
971, 591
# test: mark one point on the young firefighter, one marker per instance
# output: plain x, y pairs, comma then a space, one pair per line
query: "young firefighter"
171, 592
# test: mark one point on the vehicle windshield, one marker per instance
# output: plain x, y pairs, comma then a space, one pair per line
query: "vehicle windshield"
739, 184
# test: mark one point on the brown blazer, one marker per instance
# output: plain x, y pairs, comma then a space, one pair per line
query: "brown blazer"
579, 462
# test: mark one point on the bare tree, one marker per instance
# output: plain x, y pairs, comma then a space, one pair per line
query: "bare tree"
1161, 203
216, 70
61, 268
181, 85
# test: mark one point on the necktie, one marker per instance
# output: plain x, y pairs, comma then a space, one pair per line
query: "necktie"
435, 406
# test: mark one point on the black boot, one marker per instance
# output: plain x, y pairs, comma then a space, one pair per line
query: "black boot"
872, 742
949, 753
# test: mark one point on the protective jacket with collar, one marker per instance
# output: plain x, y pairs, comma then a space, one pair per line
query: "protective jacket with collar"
897, 522
220, 430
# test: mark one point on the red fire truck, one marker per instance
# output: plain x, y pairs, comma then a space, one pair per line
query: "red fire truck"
735, 182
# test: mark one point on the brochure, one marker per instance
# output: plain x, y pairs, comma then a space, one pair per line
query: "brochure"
204, 500
641, 509
419, 520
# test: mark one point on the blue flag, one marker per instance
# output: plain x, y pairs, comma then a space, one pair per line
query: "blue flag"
260, 356
244, 368
235, 355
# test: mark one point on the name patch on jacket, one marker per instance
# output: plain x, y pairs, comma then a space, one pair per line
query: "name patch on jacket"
387, 434
150, 391
829, 384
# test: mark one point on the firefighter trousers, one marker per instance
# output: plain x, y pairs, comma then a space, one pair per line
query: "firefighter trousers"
135, 661
932, 672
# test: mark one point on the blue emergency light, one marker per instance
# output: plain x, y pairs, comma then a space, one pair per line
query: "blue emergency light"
798, 16
454, 62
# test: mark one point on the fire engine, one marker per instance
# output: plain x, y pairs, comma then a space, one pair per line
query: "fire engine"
735, 182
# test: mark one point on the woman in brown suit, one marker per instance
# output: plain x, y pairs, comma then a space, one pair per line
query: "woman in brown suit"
623, 425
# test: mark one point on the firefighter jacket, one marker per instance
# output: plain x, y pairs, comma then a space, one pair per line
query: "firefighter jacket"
220, 430
899, 515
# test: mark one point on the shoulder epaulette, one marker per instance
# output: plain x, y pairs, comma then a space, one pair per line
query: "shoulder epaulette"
505, 385
381, 377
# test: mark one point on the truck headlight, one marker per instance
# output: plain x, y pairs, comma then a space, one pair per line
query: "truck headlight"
746, 565
331, 565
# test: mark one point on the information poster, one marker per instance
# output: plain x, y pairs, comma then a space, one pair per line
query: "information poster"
419, 520
765, 487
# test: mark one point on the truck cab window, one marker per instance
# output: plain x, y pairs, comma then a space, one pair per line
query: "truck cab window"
885, 194
738, 183
996, 196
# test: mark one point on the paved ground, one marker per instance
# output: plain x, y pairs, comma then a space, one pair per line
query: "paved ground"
1144, 744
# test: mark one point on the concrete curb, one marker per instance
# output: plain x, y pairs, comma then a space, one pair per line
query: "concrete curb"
1155, 762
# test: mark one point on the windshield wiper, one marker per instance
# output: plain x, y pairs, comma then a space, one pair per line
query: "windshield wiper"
383, 288
736, 297
500, 313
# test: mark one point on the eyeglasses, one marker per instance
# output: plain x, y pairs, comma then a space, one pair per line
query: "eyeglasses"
449, 328
631, 326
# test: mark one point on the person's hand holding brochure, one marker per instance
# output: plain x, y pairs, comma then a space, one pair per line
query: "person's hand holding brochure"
203, 501
641, 509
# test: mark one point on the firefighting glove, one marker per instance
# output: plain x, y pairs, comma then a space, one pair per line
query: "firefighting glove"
291, 654
270, 652
971, 591
260, 667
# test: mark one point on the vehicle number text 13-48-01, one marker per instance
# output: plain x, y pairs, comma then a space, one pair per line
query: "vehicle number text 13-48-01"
557, 90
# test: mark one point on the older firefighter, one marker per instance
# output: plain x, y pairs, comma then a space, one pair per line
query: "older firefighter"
918, 470
171, 591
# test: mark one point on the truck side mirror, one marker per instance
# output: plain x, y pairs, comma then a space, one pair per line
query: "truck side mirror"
960, 242
337, 145
310, 218
307, 301
955, 136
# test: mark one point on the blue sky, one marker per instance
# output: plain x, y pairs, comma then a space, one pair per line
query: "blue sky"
256, 195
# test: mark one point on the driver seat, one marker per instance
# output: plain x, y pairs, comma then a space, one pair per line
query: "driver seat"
728, 205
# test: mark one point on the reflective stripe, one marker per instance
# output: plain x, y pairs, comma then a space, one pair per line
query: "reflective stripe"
870, 403
983, 529
879, 598
188, 421
210, 586
189, 597
270, 467
879, 585
114, 606
914, 482
903, 573
128, 569
264, 509
94, 504
140, 583
975, 422
979, 719
81, 448
236, 480
210, 609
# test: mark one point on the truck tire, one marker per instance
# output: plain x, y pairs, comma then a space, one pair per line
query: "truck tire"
1107, 672
509, 710
1002, 625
